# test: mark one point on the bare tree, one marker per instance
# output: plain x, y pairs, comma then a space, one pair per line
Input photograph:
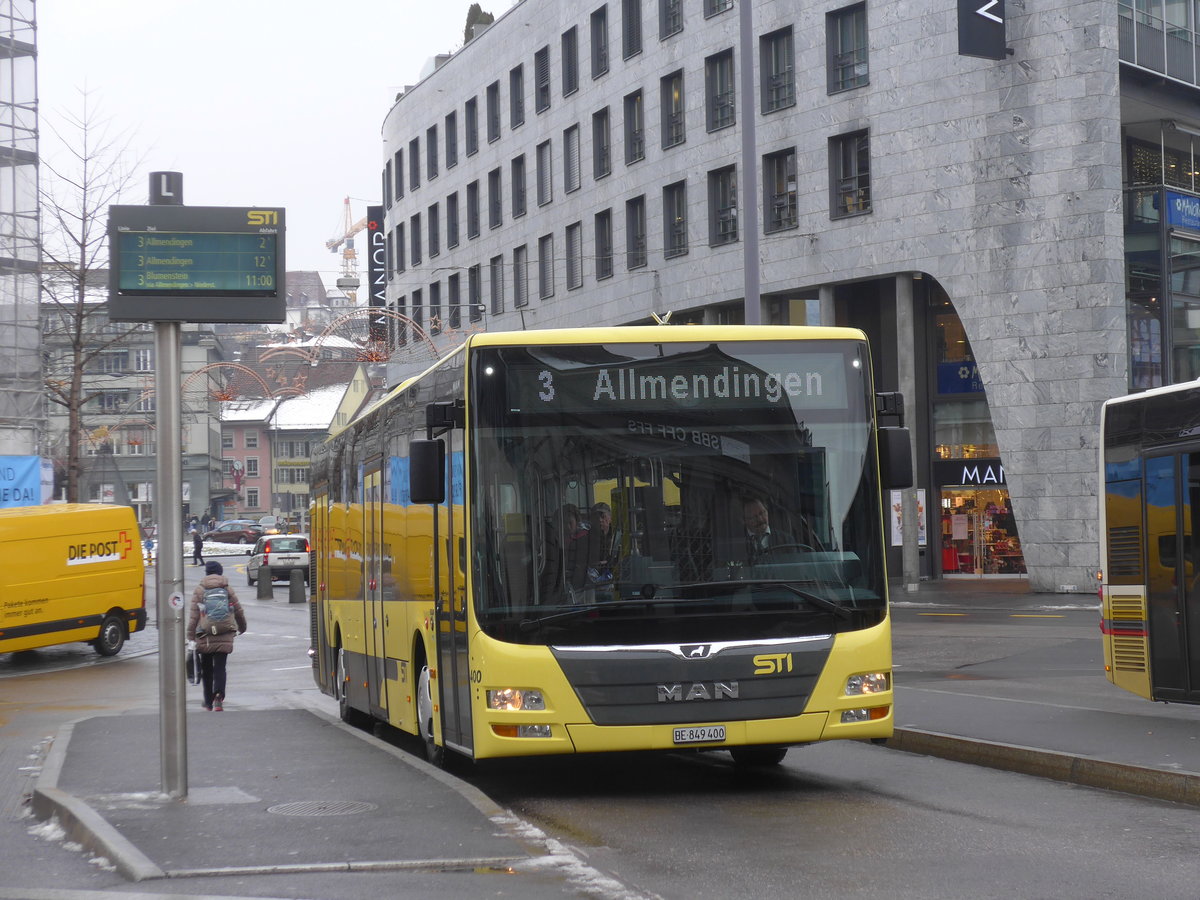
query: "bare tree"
95, 169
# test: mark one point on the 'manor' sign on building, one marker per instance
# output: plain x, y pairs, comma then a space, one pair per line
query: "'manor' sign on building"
196, 264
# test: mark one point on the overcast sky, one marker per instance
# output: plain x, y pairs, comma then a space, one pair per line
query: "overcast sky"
256, 102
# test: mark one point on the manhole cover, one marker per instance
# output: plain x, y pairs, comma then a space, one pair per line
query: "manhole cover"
322, 808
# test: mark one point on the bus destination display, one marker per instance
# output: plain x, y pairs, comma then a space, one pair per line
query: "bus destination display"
196, 264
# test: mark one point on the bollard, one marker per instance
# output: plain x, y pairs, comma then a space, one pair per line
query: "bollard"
265, 587
296, 591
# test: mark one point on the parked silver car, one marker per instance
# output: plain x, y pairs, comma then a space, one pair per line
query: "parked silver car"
278, 555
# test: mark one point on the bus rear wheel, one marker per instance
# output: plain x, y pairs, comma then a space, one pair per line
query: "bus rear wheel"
758, 756
112, 636
433, 752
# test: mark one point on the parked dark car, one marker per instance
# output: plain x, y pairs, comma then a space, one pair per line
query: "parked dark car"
235, 532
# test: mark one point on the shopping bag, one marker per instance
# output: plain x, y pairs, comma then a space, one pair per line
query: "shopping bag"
193, 667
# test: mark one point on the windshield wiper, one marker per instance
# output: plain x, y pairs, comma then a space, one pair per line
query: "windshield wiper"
809, 597
574, 611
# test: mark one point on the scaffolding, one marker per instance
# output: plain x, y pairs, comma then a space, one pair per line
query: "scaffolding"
21, 409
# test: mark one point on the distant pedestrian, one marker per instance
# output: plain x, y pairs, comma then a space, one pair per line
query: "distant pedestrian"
216, 618
197, 548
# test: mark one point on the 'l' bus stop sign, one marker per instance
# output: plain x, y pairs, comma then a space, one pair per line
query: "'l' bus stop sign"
196, 264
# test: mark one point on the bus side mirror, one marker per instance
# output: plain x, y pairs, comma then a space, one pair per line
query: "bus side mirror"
427, 471
895, 458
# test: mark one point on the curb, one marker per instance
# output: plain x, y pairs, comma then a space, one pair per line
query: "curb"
1158, 784
82, 823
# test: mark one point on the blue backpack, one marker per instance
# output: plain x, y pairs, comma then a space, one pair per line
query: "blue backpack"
216, 615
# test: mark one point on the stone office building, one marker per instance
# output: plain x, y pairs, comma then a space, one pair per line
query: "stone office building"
1017, 235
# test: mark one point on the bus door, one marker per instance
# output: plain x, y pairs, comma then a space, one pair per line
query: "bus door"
454, 665
1173, 582
373, 628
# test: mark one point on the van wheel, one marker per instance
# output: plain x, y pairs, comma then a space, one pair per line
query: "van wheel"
758, 756
433, 752
112, 636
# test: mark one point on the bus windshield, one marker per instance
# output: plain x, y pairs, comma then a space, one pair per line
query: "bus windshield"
675, 492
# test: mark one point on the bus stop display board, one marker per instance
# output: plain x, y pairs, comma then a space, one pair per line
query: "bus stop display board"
196, 264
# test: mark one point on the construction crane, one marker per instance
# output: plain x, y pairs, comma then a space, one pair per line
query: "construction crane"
348, 280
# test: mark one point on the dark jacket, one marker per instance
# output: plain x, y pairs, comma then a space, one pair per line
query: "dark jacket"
214, 643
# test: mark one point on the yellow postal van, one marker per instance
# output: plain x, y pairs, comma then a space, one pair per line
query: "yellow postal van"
71, 572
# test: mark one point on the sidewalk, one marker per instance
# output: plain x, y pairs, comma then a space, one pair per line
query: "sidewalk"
314, 796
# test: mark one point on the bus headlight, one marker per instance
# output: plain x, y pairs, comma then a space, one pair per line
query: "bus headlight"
512, 699
868, 683
873, 714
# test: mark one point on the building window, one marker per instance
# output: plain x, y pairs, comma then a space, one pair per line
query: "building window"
600, 42
251, 438
473, 209
414, 235
635, 128
719, 90
387, 184
601, 144
252, 498
452, 220
398, 169
712, 7
635, 232
571, 159
722, 207
435, 307
846, 46
495, 201
778, 89
545, 187
471, 111
417, 313
251, 466
520, 263
454, 300
546, 266
414, 164
670, 18
431, 152
112, 362
631, 28
673, 130
143, 359
400, 255
541, 76
850, 172
451, 140
516, 97
227, 441
144, 403
496, 277
675, 220
570, 61
518, 186
492, 100
604, 245
574, 256
433, 229
474, 293
779, 190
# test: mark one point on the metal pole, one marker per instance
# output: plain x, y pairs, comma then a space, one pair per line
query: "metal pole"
749, 187
172, 605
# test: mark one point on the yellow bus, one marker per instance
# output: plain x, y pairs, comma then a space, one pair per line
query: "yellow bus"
1149, 520
460, 594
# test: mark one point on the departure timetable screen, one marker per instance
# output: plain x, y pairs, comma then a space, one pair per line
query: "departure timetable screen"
175, 261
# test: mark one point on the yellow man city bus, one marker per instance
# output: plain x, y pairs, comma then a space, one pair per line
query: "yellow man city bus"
1149, 523
460, 594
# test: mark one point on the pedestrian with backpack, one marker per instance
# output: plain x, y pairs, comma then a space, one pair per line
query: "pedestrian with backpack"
216, 618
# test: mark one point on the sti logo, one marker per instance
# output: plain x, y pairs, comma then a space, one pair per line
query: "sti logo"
262, 217
98, 551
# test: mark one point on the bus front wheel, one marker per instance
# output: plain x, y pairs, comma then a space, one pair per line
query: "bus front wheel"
346, 712
433, 752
